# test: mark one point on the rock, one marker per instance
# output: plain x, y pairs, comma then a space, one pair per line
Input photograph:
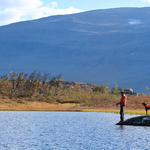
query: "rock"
136, 121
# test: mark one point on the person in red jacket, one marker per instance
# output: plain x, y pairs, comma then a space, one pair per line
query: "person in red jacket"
122, 104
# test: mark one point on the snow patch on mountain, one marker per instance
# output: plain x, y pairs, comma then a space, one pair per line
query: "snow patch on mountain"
135, 21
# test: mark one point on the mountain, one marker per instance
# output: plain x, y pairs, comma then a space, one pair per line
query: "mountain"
101, 46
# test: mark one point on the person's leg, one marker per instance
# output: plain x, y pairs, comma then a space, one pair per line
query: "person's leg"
122, 113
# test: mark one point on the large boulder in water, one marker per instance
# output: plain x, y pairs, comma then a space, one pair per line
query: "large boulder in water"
136, 121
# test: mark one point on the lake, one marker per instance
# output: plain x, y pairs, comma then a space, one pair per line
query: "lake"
69, 131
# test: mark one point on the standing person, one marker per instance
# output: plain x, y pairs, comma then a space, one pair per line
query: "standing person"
122, 104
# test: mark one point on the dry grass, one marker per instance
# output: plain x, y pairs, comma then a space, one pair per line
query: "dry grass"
24, 105
105, 104
109, 110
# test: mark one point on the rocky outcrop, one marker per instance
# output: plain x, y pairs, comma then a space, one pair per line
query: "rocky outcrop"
136, 121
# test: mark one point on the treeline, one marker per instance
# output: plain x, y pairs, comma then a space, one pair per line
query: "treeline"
43, 87
27, 85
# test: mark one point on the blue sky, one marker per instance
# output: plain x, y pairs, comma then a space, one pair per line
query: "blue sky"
19, 10
101, 4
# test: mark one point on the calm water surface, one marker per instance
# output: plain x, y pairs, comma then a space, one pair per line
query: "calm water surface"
69, 131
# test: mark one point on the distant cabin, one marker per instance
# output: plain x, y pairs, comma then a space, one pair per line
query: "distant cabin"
129, 91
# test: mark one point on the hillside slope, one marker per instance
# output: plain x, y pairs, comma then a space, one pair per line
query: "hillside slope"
100, 46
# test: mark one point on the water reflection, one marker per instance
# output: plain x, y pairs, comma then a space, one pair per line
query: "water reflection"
121, 127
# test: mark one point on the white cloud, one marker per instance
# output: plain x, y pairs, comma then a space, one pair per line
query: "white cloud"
20, 4
19, 10
54, 4
145, 0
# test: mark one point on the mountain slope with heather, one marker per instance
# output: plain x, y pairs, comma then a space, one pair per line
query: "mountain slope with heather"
101, 46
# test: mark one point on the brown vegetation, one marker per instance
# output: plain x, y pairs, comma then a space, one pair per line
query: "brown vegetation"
38, 91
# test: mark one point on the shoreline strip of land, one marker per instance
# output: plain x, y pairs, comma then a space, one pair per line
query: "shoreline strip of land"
43, 106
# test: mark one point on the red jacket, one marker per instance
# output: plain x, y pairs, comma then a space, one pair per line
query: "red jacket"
147, 105
123, 100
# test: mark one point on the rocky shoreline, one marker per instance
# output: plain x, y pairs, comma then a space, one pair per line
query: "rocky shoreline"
136, 121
